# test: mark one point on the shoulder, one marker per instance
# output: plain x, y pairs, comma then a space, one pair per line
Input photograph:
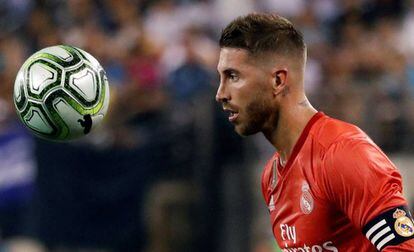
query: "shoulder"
352, 161
349, 157
345, 144
330, 131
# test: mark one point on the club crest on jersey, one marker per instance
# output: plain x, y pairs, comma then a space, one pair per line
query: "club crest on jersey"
403, 224
306, 199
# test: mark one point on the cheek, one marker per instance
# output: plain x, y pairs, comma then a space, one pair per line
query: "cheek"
258, 103
255, 89
261, 95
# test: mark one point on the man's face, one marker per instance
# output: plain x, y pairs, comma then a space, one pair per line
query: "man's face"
245, 90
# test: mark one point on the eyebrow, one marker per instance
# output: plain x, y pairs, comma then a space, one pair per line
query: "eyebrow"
228, 71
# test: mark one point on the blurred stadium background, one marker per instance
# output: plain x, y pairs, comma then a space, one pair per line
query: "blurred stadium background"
167, 172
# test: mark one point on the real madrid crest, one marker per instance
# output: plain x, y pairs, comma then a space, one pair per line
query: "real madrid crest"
306, 199
403, 224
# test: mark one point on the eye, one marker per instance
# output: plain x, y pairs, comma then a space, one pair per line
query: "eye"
233, 76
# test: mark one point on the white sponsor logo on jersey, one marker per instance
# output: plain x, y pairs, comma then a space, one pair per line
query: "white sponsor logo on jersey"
326, 246
290, 240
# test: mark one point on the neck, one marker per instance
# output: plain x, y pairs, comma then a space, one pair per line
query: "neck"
291, 122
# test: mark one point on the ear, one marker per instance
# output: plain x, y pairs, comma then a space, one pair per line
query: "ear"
279, 81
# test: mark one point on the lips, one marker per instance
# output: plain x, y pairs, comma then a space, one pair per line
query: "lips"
232, 114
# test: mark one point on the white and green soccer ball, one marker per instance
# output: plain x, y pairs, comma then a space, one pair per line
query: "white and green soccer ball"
61, 93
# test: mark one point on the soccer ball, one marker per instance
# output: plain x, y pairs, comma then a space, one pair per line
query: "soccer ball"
61, 93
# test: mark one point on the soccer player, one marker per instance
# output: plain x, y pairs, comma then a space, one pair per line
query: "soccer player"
328, 187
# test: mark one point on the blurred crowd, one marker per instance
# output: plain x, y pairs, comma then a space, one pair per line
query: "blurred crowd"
166, 172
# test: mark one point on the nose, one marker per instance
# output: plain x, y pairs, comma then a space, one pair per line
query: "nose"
221, 95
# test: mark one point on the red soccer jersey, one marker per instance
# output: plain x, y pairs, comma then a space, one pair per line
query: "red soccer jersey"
337, 192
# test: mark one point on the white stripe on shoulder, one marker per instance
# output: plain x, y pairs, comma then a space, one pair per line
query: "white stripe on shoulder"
385, 240
375, 227
380, 234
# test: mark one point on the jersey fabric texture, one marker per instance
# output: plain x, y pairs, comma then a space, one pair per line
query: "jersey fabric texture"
337, 192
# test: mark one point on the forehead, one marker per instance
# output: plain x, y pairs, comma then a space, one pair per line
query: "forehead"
233, 58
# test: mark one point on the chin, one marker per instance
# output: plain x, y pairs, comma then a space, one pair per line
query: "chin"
240, 133
245, 131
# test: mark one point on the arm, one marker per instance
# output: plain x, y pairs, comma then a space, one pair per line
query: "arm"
359, 178
407, 246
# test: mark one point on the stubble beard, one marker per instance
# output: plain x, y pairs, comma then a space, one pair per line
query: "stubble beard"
258, 113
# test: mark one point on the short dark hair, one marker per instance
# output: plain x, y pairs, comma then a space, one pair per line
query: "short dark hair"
262, 33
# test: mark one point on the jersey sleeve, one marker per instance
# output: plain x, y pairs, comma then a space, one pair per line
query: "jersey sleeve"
407, 246
362, 182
